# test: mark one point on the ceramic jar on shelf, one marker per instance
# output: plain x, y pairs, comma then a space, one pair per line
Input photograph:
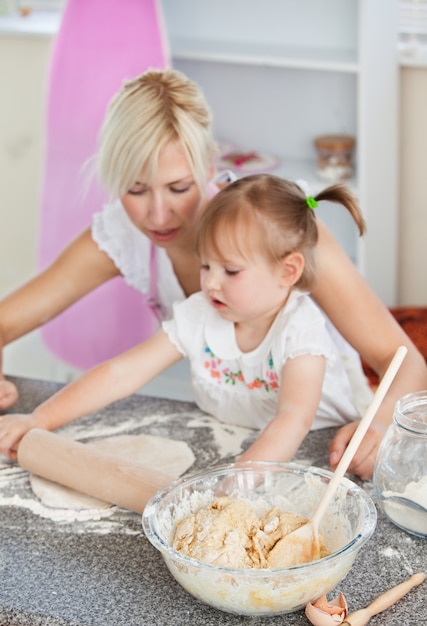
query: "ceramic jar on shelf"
334, 157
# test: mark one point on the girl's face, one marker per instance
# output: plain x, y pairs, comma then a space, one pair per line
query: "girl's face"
165, 209
244, 289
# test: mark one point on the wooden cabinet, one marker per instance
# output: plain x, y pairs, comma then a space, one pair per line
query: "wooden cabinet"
278, 73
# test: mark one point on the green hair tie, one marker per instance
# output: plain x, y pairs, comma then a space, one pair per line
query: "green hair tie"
311, 202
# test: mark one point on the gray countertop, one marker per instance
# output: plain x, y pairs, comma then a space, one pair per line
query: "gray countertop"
90, 572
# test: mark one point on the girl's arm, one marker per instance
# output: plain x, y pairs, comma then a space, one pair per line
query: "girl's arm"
79, 269
299, 397
369, 327
110, 381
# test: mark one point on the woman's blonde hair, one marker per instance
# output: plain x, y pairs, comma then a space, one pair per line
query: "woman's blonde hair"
271, 215
150, 111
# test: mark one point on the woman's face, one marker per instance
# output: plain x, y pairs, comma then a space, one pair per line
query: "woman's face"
165, 208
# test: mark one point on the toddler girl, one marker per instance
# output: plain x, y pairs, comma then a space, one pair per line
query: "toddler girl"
260, 353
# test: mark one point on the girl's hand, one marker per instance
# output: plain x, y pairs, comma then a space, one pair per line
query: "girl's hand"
12, 428
8, 394
363, 461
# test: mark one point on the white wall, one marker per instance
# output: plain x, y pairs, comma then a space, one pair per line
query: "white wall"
412, 282
23, 79
23, 74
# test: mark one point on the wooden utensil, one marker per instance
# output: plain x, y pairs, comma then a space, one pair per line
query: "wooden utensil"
302, 545
94, 472
383, 602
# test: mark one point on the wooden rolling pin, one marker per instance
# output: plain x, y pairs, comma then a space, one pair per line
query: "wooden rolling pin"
90, 471
383, 602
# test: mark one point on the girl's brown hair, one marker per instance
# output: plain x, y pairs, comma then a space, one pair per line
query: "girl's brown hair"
268, 214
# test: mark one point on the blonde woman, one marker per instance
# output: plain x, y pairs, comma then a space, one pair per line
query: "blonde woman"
156, 159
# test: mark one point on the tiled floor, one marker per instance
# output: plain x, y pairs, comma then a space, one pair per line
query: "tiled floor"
28, 357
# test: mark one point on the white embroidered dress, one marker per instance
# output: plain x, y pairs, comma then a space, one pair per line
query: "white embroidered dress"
132, 253
241, 388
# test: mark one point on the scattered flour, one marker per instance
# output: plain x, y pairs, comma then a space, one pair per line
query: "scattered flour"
228, 437
41, 497
391, 553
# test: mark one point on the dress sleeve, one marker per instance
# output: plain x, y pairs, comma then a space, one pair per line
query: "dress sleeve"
304, 332
127, 247
186, 328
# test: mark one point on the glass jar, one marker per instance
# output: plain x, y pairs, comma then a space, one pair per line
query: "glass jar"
334, 157
400, 473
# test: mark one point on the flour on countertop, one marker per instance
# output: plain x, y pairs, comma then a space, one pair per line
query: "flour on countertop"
228, 437
391, 553
159, 453
15, 483
15, 489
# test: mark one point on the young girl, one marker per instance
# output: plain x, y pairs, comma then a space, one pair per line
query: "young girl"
156, 160
259, 350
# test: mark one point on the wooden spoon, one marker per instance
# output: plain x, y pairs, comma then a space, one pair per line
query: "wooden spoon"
384, 601
302, 545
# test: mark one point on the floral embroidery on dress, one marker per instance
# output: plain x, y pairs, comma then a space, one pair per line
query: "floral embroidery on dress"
213, 364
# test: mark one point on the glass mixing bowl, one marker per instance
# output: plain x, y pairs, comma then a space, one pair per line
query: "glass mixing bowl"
346, 526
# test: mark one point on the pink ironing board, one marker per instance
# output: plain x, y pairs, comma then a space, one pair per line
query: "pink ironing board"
100, 43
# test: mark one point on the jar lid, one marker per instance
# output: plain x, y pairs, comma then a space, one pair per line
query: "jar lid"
335, 142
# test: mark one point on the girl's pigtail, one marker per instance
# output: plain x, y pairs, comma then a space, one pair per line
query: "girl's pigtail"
341, 194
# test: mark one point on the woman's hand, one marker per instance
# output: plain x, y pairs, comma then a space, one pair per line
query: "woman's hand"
363, 461
8, 394
12, 428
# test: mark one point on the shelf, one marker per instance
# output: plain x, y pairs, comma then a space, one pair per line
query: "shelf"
305, 169
413, 57
327, 59
36, 24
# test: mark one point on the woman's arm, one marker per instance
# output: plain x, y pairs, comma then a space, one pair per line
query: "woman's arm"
79, 269
299, 397
110, 381
369, 327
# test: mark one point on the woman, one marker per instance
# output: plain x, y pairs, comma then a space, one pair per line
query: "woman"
156, 155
